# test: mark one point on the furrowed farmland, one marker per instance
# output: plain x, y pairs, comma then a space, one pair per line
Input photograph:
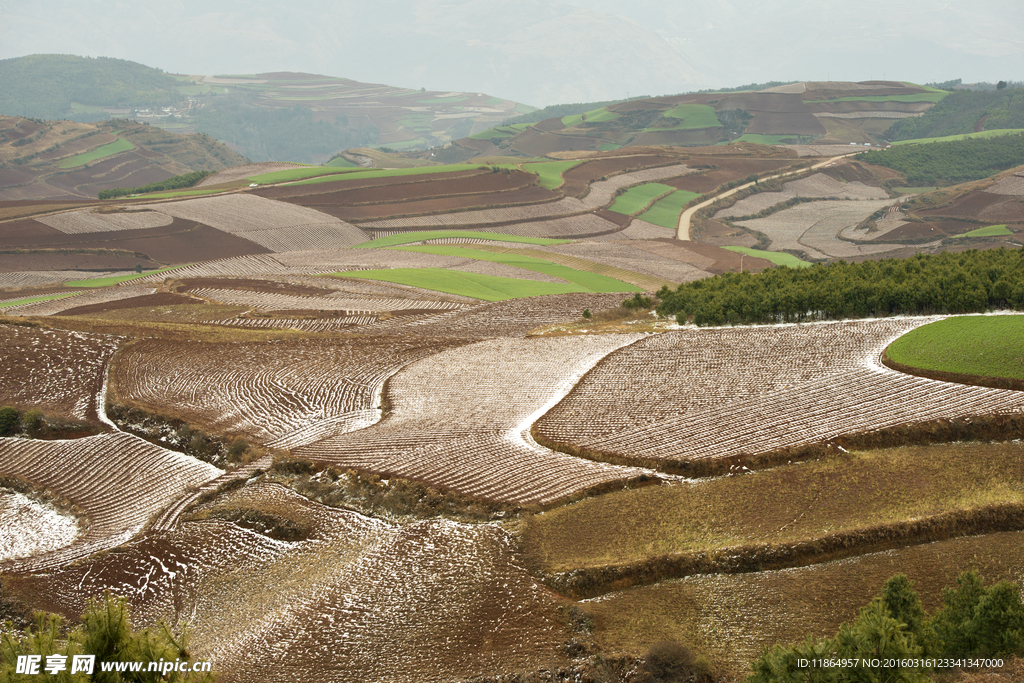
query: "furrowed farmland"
410, 421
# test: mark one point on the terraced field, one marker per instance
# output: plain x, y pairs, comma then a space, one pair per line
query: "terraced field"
460, 419
834, 388
286, 394
118, 481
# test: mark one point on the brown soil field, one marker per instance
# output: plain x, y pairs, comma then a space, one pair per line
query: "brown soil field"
787, 123
728, 169
970, 205
550, 125
78, 146
536, 142
478, 147
59, 372
285, 191
479, 183
58, 261
853, 171
707, 257
577, 179
14, 176
427, 601
22, 209
930, 230
121, 170
618, 219
531, 194
180, 242
681, 138
757, 103
147, 301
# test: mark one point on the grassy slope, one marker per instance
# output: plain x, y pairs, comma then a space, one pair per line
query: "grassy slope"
964, 136
637, 198
777, 257
793, 503
119, 145
419, 236
485, 287
987, 231
550, 172
989, 346
694, 116
665, 212
590, 282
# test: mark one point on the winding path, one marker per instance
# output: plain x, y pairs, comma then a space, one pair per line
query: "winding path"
683, 231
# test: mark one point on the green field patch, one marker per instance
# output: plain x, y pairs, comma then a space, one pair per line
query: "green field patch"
988, 231
590, 282
490, 134
665, 212
179, 193
693, 116
935, 96
419, 236
474, 285
443, 100
34, 299
759, 139
115, 147
985, 346
292, 174
777, 257
638, 198
118, 279
599, 115
390, 172
794, 504
550, 172
964, 136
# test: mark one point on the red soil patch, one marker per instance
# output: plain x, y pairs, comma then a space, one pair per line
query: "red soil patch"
930, 230
729, 169
789, 123
578, 178
10, 263
481, 147
481, 182
681, 138
159, 299
180, 242
13, 176
852, 171
969, 205
535, 142
266, 286
549, 125
762, 102
616, 218
531, 194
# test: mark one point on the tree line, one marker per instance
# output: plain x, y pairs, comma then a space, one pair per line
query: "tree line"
175, 183
948, 163
968, 282
894, 639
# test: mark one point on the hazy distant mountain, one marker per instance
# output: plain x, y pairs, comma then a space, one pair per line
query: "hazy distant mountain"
541, 52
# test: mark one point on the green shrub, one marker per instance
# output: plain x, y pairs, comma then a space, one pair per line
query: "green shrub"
8, 420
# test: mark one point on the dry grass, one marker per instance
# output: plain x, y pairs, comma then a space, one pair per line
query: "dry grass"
793, 503
731, 617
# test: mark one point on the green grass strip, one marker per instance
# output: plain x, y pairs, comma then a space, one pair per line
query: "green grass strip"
290, 174
490, 134
474, 285
638, 198
179, 193
118, 279
595, 116
665, 211
391, 172
110, 149
777, 257
964, 136
916, 97
694, 116
590, 282
418, 236
549, 173
988, 231
989, 346
34, 299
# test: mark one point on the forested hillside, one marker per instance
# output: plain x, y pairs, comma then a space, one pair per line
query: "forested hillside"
47, 86
964, 112
947, 163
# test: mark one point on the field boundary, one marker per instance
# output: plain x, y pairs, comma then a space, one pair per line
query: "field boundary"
959, 378
998, 427
592, 582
